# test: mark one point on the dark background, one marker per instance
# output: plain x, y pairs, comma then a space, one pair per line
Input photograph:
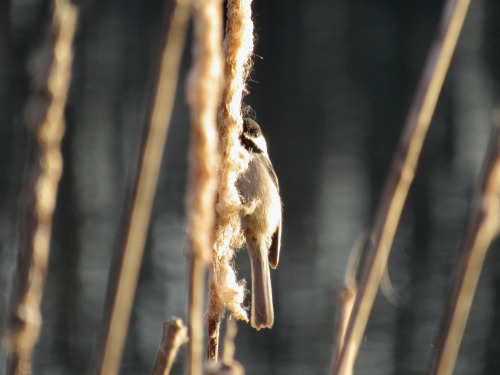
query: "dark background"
331, 89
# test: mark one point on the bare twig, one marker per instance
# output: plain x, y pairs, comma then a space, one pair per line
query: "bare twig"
174, 336
346, 295
225, 290
228, 365
197, 268
213, 338
345, 299
400, 178
127, 261
483, 228
203, 94
229, 347
51, 75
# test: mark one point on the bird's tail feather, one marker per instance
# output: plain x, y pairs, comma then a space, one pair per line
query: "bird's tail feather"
262, 297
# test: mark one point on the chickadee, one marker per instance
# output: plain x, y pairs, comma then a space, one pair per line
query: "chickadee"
261, 227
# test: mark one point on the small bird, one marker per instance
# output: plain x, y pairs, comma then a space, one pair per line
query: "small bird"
262, 226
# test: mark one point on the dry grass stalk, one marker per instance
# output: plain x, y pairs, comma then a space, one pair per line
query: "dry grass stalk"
225, 289
346, 295
227, 366
213, 338
345, 299
127, 261
203, 93
174, 336
483, 228
51, 76
400, 178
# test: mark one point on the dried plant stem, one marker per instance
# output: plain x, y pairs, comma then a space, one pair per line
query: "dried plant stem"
228, 365
483, 228
195, 316
203, 93
127, 261
400, 178
229, 346
225, 290
174, 335
346, 296
213, 339
345, 299
51, 75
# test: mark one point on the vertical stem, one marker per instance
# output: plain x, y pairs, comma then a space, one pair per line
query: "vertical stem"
483, 228
213, 338
195, 315
227, 365
401, 176
51, 75
128, 259
345, 299
203, 96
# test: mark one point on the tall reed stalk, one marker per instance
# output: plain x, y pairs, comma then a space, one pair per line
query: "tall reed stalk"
51, 75
127, 260
484, 226
203, 93
400, 178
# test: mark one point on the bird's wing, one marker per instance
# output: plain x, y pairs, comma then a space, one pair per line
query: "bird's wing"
274, 250
270, 169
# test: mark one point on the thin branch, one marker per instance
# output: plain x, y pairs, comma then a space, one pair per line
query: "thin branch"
128, 259
229, 346
228, 365
483, 228
345, 299
213, 338
174, 336
197, 268
401, 176
51, 76
346, 296
203, 95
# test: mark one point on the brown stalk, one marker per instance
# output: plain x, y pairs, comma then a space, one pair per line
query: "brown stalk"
127, 261
400, 178
213, 338
345, 299
483, 228
228, 365
346, 295
197, 268
203, 95
51, 76
174, 336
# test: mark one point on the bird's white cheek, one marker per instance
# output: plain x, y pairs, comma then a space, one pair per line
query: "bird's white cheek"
260, 142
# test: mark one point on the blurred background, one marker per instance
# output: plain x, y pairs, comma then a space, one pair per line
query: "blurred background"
331, 87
